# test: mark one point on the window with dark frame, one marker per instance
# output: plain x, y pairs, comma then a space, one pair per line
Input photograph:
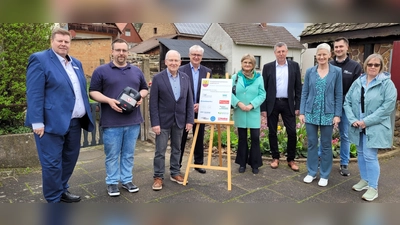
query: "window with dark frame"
258, 60
127, 32
155, 30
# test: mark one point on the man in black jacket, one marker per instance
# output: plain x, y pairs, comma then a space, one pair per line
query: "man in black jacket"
282, 82
196, 72
351, 70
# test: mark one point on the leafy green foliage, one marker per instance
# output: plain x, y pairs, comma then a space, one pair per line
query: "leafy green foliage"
17, 42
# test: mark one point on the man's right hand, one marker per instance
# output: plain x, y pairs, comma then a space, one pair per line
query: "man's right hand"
156, 130
113, 104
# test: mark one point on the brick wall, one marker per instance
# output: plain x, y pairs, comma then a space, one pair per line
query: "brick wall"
147, 30
90, 51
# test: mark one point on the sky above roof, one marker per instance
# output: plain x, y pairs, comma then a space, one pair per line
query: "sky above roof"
294, 28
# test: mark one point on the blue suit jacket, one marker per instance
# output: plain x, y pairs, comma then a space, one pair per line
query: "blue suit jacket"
202, 74
333, 91
164, 109
50, 93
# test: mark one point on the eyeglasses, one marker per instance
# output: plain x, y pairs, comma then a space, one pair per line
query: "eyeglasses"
196, 55
121, 50
373, 64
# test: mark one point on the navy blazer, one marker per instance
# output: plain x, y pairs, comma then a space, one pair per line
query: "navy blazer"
294, 86
50, 94
202, 74
164, 109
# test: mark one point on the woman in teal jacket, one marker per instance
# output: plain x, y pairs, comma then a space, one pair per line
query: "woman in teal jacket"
368, 106
250, 94
321, 108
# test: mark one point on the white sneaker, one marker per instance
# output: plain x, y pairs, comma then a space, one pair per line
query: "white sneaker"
323, 182
308, 179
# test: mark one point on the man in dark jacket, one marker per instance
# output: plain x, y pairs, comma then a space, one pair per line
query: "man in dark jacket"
351, 70
196, 72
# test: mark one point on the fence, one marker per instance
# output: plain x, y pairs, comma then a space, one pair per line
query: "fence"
96, 138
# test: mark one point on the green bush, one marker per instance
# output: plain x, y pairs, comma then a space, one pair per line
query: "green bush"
17, 42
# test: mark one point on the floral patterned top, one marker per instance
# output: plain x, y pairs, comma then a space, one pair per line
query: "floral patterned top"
318, 116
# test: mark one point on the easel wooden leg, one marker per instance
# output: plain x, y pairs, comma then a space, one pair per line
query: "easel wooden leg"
210, 145
219, 144
189, 163
228, 159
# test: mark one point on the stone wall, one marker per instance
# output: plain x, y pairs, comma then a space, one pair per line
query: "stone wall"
137, 60
396, 140
357, 53
18, 151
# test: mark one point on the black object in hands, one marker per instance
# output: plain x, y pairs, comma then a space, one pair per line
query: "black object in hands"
128, 99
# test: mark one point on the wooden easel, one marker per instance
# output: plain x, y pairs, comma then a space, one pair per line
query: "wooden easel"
210, 145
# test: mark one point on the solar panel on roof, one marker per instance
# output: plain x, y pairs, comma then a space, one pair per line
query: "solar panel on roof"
192, 28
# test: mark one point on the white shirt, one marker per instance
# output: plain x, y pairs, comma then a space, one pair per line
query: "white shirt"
282, 79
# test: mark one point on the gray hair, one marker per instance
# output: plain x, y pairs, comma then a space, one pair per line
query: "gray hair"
324, 46
196, 48
172, 51
280, 44
373, 56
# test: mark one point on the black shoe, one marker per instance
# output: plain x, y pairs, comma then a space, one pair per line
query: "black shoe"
69, 198
242, 169
113, 190
344, 170
255, 170
130, 187
200, 170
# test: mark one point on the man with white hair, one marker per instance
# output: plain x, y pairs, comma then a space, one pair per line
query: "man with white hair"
196, 72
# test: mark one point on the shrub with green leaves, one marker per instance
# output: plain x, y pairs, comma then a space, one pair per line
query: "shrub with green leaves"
17, 42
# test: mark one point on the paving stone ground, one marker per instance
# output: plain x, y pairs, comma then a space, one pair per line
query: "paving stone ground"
270, 185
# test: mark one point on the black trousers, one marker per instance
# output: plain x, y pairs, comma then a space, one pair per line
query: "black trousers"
289, 120
198, 149
245, 155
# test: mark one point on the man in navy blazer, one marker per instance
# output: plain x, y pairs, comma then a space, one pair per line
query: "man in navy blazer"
58, 108
282, 82
196, 72
171, 112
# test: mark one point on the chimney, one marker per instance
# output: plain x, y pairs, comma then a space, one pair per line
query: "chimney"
263, 25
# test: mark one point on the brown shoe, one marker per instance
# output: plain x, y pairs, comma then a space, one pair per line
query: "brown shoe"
293, 166
157, 184
178, 179
275, 163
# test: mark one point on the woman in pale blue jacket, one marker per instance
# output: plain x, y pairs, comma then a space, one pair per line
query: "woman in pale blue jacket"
321, 108
250, 94
368, 106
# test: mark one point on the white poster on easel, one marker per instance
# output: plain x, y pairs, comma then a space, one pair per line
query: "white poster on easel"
215, 100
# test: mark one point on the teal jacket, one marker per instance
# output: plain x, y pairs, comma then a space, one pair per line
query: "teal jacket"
379, 103
254, 94
333, 91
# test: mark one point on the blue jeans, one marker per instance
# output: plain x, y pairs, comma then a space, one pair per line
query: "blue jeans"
368, 163
119, 147
344, 139
312, 152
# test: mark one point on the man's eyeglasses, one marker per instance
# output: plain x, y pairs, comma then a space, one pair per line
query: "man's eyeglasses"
121, 50
196, 55
373, 64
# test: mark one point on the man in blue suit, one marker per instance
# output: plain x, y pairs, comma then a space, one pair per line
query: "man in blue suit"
58, 108
171, 112
196, 72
